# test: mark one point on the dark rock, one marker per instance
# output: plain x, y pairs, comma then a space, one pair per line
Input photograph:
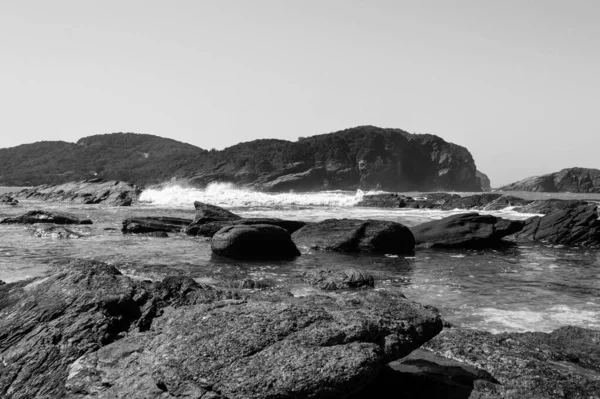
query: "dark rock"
156, 234
352, 235
179, 291
431, 200
2, 282
310, 347
571, 180
504, 202
45, 217
254, 242
8, 199
570, 226
47, 323
484, 181
92, 191
138, 225
466, 230
478, 201
210, 228
212, 213
338, 279
547, 206
563, 363
385, 200
49, 231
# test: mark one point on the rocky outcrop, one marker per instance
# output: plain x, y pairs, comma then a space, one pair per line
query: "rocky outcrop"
209, 229
211, 213
313, 346
8, 199
92, 191
547, 206
484, 181
573, 180
352, 235
467, 230
260, 241
140, 225
570, 226
332, 280
40, 216
49, 231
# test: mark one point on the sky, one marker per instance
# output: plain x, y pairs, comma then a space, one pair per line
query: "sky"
517, 82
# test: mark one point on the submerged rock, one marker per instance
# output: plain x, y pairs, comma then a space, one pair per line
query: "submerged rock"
92, 191
48, 231
338, 279
353, 235
8, 199
313, 347
40, 216
466, 230
210, 228
260, 241
151, 224
570, 226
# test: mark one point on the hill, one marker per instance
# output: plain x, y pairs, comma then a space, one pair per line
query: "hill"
365, 157
574, 180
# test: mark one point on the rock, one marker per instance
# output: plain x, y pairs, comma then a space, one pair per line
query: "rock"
176, 291
484, 181
547, 206
49, 231
466, 230
40, 216
506, 201
138, 225
8, 199
385, 200
92, 191
570, 226
563, 363
47, 323
310, 347
209, 229
338, 279
156, 234
431, 200
478, 201
212, 213
571, 180
261, 241
352, 235
2, 282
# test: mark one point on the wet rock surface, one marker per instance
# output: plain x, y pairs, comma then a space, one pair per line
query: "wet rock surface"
547, 206
571, 226
57, 232
466, 230
338, 279
260, 241
297, 348
40, 216
92, 191
354, 235
154, 224
573, 180
8, 199
210, 228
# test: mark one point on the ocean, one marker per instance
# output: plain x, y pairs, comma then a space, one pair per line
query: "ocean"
528, 287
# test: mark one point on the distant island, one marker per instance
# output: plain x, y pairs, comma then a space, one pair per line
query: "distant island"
574, 180
364, 157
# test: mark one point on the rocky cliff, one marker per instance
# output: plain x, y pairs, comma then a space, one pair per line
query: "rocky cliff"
574, 180
364, 157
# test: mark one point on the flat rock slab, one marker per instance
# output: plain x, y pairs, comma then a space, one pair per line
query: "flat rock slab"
311, 347
353, 235
40, 216
259, 241
571, 226
563, 363
466, 230
151, 224
338, 279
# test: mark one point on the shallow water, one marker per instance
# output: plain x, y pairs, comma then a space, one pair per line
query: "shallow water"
528, 287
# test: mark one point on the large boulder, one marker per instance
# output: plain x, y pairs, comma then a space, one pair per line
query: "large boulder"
466, 230
338, 279
137, 225
92, 191
570, 226
353, 235
40, 216
260, 241
309, 347
209, 229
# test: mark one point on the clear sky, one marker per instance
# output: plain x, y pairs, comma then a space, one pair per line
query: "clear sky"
517, 82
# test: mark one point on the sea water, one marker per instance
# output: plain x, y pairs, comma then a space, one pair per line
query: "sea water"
528, 287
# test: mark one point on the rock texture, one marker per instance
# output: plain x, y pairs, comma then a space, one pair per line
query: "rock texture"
8, 199
49, 231
92, 191
154, 224
547, 206
338, 279
352, 235
40, 216
574, 180
563, 363
484, 181
466, 230
570, 226
260, 241
311, 347
209, 229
